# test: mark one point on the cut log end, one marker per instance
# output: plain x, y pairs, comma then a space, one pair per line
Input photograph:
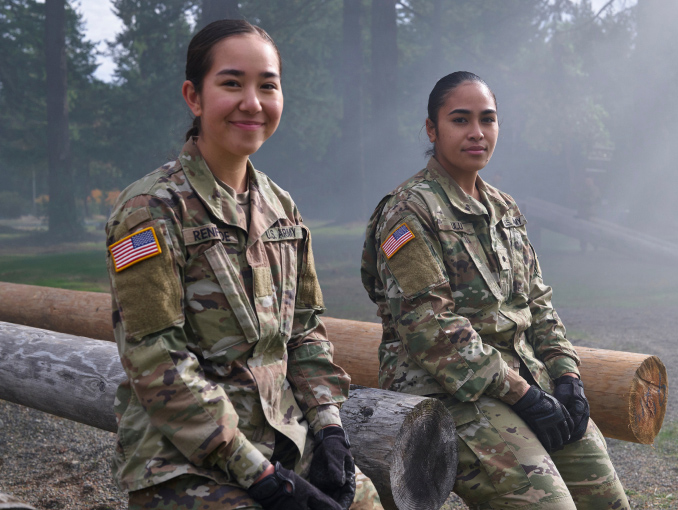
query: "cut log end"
416, 467
648, 399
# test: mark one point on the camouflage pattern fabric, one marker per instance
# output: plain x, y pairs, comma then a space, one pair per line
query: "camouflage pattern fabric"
218, 331
463, 302
467, 318
516, 472
192, 492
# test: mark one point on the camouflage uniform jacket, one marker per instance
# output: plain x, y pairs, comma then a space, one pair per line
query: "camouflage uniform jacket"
461, 298
218, 330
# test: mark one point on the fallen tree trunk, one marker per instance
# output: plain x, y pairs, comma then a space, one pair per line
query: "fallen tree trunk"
406, 444
628, 392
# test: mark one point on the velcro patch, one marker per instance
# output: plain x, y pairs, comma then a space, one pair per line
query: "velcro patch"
399, 238
203, 233
283, 233
514, 221
134, 248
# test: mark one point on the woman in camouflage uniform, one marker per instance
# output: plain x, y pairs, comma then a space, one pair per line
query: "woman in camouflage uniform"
468, 319
232, 397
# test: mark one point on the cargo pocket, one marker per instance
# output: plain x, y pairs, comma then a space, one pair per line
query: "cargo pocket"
495, 455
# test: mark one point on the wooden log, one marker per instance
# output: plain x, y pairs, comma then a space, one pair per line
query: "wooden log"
632, 242
403, 442
9, 502
68, 376
77, 313
628, 392
397, 437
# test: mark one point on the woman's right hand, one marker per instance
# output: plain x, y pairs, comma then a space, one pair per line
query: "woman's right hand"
285, 490
547, 418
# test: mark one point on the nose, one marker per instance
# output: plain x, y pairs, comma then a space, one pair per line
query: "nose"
250, 101
476, 132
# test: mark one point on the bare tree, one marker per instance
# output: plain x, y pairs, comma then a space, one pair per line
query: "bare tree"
62, 218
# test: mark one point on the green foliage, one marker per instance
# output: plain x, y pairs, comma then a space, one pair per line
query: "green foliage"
561, 74
147, 115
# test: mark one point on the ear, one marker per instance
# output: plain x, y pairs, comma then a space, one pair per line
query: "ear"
192, 97
431, 130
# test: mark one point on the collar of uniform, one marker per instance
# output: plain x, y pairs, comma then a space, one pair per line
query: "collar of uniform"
494, 202
457, 196
202, 180
265, 207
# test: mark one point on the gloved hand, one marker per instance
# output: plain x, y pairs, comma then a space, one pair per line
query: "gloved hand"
332, 467
546, 416
285, 490
570, 392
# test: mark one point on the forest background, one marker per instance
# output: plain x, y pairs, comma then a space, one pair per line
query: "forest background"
582, 93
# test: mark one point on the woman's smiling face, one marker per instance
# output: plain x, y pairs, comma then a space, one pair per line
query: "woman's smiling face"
466, 132
241, 100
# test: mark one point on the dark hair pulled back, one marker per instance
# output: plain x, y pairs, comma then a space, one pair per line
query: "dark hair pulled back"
443, 88
199, 55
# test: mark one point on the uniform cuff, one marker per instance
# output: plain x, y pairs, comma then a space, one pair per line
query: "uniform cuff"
245, 462
561, 365
514, 388
322, 416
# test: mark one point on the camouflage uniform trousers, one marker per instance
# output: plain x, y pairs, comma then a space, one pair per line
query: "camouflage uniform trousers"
192, 492
578, 477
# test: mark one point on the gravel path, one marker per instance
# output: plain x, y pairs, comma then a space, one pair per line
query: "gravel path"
52, 463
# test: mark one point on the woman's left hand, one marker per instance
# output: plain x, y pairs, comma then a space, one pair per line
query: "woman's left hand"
332, 467
570, 392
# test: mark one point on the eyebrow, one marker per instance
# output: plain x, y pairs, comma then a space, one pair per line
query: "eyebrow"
238, 72
468, 112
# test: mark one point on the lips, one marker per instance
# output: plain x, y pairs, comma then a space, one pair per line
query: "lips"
475, 150
247, 125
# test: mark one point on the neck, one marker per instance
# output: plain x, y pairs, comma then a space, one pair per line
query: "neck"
229, 169
464, 178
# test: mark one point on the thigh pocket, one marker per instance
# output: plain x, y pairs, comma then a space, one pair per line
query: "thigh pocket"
495, 455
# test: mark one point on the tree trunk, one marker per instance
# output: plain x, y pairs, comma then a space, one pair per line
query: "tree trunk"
62, 218
628, 392
351, 180
402, 441
384, 72
213, 10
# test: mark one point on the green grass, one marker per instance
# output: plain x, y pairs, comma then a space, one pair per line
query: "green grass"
83, 270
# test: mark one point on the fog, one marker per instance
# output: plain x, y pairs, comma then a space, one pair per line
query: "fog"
586, 99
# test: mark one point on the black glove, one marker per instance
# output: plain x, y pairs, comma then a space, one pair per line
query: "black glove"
546, 416
570, 392
285, 490
332, 467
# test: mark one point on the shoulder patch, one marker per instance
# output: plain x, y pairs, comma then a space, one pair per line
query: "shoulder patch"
414, 268
398, 238
134, 248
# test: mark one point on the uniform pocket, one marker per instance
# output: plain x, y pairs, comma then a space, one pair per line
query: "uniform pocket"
229, 281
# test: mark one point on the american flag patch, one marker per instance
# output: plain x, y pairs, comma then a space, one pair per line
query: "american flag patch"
397, 240
134, 248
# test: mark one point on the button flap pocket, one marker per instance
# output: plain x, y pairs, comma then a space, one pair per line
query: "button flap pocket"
229, 281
